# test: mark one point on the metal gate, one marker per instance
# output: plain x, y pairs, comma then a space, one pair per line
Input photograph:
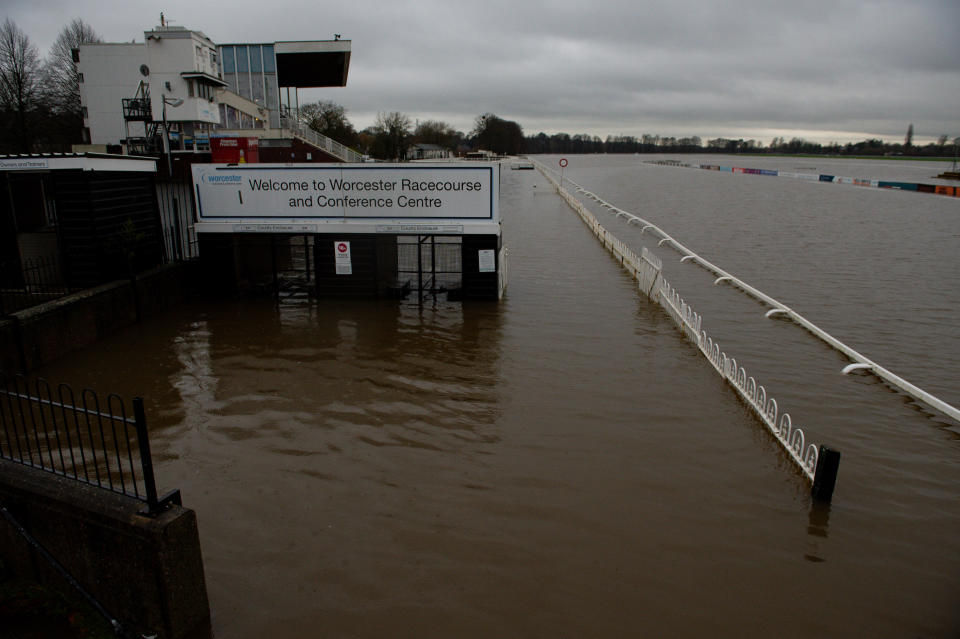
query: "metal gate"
432, 264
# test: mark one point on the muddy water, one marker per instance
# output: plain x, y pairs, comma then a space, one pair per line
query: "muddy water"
560, 464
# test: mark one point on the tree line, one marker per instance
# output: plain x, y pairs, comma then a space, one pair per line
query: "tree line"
585, 143
394, 133
40, 97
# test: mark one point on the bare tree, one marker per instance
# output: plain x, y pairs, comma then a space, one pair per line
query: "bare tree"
60, 70
19, 88
329, 119
391, 135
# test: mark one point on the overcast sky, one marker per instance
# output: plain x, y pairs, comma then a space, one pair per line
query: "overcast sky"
836, 70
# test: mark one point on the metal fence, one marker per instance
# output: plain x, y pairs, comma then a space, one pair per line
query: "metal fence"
432, 263
818, 464
26, 283
320, 141
80, 438
176, 204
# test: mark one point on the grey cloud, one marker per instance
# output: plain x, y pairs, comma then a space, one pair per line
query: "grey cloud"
674, 67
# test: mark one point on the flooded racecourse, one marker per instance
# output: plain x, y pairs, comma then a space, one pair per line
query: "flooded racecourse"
565, 463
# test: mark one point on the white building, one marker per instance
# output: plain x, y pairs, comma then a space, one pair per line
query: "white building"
183, 78
173, 70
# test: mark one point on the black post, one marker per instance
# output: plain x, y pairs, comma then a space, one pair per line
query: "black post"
146, 461
178, 239
306, 254
825, 476
273, 262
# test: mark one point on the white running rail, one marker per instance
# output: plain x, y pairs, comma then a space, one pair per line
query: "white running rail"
646, 269
859, 361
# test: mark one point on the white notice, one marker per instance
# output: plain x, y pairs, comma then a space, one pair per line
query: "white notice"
341, 258
487, 262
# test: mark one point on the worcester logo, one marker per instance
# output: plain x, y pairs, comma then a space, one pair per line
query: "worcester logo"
222, 179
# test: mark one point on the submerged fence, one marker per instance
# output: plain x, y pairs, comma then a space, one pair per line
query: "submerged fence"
79, 438
818, 463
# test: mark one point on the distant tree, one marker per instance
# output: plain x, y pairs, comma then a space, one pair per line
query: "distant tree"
908, 141
20, 95
329, 119
437, 132
62, 82
498, 135
391, 136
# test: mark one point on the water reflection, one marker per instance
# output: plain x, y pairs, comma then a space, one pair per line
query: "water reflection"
389, 374
818, 527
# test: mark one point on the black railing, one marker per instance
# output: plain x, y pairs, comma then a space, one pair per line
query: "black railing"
30, 282
81, 440
137, 109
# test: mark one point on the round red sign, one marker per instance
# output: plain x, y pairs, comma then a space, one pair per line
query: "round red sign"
342, 247
563, 162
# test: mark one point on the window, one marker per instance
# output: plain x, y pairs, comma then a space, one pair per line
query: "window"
255, 65
213, 59
243, 88
257, 93
243, 64
189, 88
269, 62
228, 57
80, 78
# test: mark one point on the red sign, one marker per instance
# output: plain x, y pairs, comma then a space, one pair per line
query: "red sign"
342, 247
563, 162
235, 150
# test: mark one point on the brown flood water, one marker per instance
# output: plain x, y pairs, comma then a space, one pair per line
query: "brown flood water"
560, 464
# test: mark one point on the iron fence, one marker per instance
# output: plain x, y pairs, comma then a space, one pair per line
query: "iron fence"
177, 215
80, 438
431, 263
26, 283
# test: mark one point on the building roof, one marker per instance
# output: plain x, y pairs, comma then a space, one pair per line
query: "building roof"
315, 63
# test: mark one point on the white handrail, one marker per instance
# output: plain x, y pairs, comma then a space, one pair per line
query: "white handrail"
321, 141
780, 308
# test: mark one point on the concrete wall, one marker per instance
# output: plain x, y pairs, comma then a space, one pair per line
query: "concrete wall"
146, 572
48, 331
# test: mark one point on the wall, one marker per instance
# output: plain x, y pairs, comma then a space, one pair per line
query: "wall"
49, 331
111, 72
146, 572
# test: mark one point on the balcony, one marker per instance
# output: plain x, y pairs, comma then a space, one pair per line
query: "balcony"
137, 110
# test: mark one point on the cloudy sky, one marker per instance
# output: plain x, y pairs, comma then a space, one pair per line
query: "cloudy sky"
837, 70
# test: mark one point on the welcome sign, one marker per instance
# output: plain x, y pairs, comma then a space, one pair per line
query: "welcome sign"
328, 198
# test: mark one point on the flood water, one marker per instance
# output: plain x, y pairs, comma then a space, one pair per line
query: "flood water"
565, 463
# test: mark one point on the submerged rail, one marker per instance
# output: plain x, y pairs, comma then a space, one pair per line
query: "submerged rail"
818, 463
860, 362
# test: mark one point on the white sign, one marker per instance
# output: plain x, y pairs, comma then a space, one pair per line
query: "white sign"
24, 163
487, 262
341, 258
355, 197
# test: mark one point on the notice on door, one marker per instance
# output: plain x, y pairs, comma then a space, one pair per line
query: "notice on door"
341, 258
488, 263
